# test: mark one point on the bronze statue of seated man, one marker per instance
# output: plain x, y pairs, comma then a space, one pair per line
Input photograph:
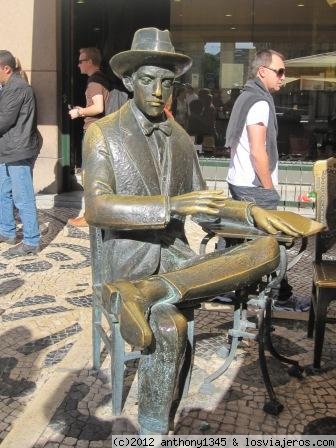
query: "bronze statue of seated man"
141, 179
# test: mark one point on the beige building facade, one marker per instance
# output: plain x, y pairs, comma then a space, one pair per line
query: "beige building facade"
29, 31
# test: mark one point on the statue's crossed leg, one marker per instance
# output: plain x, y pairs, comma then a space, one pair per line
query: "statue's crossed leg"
163, 335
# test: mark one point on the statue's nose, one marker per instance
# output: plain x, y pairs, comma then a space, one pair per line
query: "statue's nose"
157, 88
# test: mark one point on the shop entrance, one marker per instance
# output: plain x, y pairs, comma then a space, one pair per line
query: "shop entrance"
108, 25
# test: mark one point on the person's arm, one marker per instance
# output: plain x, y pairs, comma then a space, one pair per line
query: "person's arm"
10, 106
259, 157
96, 108
95, 91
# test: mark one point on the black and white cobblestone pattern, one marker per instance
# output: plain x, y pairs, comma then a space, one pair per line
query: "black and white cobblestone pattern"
45, 303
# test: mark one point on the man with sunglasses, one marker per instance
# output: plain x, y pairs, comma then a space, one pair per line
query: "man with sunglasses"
96, 94
252, 138
252, 134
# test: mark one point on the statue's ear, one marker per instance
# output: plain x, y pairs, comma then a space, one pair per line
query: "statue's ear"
128, 83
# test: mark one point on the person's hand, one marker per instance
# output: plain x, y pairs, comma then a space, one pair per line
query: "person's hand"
205, 201
266, 220
74, 113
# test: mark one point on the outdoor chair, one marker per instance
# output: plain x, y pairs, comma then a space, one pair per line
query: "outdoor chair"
110, 334
111, 338
324, 268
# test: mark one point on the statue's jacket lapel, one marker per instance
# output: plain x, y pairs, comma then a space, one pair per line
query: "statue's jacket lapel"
134, 168
131, 159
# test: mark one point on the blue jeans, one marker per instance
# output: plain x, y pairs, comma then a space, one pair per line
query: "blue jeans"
263, 197
16, 188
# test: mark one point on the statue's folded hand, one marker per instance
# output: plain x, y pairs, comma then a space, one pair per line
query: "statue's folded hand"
198, 202
272, 223
289, 223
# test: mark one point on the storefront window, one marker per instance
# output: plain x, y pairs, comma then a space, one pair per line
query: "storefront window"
222, 37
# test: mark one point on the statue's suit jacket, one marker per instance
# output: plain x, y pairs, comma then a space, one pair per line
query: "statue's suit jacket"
128, 198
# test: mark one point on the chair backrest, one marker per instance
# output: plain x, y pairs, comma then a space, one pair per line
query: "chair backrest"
325, 188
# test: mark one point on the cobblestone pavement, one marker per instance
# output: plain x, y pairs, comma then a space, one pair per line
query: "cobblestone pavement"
51, 397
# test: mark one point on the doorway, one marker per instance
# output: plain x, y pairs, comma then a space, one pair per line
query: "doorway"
108, 25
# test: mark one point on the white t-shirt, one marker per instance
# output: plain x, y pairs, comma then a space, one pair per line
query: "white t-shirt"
241, 172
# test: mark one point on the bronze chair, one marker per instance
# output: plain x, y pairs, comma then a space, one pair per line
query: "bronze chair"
110, 334
324, 270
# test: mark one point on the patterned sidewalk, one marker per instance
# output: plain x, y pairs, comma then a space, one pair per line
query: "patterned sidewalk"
51, 397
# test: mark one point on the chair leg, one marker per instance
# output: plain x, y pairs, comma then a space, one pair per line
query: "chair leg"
117, 368
235, 339
320, 322
96, 341
272, 406
311, 319
189, 357
295, 369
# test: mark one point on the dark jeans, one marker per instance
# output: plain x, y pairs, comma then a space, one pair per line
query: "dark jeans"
263, 197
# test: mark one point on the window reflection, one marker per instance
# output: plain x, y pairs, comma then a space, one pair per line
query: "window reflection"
222, 36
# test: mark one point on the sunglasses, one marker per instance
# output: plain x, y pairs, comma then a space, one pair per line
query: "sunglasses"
280, 72
82, 60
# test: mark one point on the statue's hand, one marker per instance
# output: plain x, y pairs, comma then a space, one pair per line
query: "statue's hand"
206, 201
271, 223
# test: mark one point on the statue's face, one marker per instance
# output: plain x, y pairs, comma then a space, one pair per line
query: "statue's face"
152, 87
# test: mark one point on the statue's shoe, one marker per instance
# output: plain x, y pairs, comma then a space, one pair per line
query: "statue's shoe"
134, 326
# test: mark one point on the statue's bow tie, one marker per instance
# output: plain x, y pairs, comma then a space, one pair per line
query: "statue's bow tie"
164, 127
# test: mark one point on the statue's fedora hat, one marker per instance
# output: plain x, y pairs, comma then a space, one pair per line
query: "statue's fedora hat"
150, 46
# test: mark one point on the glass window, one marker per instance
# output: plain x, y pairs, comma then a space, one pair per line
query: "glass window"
222, 37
